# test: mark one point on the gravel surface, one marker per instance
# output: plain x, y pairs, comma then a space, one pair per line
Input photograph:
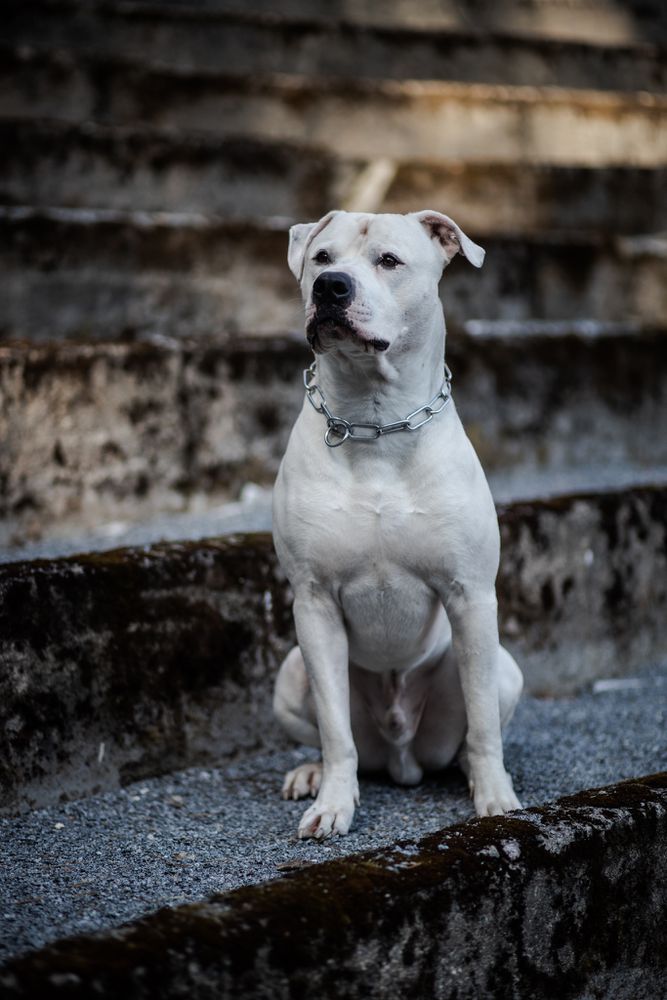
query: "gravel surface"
95, 863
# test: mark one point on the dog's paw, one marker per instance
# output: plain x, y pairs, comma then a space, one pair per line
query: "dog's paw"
304, 780
494, 795
327, 816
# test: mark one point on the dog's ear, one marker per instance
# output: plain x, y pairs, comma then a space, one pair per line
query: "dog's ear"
300, 237
450, 237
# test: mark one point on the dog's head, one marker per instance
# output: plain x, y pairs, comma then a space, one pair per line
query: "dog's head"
369, 282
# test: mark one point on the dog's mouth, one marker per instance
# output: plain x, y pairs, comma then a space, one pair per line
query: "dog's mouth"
332, 324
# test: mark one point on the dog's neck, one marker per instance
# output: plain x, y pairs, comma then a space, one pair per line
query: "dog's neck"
380, 387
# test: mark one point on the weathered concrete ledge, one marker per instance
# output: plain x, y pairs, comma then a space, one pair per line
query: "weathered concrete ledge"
134, 662
475, 122
190, 38
98, 274
139, 168
120, 431
529, 197
136, 168
582, 586
108, 432
579, 21
565, 900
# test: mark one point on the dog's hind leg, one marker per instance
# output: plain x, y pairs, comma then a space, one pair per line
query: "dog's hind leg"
294, 709
510, 685
292, 701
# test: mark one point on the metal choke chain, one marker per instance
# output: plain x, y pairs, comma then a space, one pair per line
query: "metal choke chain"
339, 430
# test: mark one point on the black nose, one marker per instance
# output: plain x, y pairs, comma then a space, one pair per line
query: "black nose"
333, 287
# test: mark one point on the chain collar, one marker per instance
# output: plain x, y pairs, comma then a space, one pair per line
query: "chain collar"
339, 430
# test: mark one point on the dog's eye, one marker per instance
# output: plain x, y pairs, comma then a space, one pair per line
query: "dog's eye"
389, 260
322, 257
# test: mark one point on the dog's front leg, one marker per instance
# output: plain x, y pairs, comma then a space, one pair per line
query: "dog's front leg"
474, 620
323, 643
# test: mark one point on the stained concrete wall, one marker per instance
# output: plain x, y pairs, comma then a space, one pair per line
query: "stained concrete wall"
561, 901
582, 586
122, 431
134, 662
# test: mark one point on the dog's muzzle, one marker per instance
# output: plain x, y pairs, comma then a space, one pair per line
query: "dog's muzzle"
333, 292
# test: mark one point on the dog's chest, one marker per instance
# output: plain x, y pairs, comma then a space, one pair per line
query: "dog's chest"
376, 531
376, 552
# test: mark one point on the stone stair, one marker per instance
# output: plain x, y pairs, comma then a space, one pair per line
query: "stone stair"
122, 666
47, 163
204, 38
154, 155
111, 433
102, 273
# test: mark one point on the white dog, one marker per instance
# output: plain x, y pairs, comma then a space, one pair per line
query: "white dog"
385, 526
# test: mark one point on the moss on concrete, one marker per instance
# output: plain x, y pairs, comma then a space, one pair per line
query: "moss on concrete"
162, 655
537, 903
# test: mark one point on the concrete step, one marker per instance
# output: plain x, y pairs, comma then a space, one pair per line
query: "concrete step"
129, 664
101, 436
120, 665
393, 906
524, 198
97, 434
191, 39
598, 22
252, 512
366, 119
126, 168
134, 168
98, 274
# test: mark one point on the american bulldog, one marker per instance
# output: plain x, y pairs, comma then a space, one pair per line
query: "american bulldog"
385, 527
